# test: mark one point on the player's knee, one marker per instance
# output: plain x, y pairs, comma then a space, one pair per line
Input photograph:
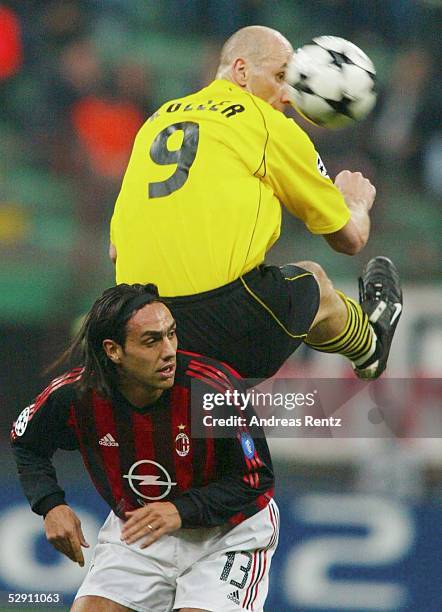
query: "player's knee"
325, 285
95, 603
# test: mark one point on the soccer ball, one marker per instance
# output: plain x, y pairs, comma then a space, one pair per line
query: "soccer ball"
332, 82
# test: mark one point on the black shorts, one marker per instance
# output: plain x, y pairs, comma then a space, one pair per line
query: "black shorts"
254, 323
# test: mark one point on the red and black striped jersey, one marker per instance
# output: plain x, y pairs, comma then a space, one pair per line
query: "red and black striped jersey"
135, 456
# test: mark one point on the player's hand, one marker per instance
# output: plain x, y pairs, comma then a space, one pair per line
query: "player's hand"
153, 521
356, 189
63, 531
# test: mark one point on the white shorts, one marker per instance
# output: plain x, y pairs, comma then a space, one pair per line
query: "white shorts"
219, 569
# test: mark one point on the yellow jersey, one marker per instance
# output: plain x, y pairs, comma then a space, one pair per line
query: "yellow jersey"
200, 203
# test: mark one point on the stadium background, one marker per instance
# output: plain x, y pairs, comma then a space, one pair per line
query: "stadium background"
361, 521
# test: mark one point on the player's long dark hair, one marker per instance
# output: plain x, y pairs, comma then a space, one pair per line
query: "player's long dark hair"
106, 319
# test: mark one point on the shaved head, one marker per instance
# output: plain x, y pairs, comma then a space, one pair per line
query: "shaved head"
256, 59
254, 44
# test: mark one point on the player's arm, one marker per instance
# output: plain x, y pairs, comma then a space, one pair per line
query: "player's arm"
359, 195
338, 211
242, 483
34, 440
35, 436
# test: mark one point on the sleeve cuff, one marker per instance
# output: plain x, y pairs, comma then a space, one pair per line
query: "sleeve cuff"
188, 511
329, 229
49, 502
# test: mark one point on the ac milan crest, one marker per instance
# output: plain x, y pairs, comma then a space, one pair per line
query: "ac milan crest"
182, 442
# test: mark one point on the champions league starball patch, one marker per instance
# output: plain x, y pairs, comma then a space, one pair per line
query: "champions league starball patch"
248, 446
22, 421
321, 168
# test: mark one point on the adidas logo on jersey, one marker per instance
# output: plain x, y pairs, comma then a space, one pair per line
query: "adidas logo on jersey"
108, 440
234, 597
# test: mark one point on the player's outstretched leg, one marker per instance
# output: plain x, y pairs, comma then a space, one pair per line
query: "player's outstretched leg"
362, 332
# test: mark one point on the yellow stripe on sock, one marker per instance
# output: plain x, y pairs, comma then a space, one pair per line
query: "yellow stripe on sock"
323, 346
357, 337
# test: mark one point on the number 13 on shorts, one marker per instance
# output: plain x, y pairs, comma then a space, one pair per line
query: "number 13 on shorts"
245, 575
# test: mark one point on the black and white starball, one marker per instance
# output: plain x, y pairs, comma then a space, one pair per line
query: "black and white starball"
332, 82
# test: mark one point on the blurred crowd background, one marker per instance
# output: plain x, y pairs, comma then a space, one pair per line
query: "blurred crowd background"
77, 80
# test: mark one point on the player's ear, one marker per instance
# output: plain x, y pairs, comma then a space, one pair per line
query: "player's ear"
240, 72
113, 253
113, 350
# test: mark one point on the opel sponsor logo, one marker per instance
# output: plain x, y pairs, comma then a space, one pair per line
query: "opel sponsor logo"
139, 483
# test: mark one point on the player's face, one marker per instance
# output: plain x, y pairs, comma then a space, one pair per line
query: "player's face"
147, 362
267, 81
